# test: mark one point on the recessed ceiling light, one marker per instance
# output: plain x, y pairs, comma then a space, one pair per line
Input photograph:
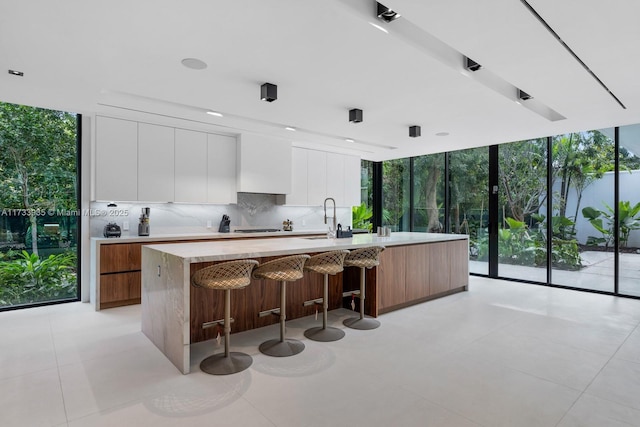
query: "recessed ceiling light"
16, 73
290, 128
379, 27
442, 134
194, 63
215, 113
349, 140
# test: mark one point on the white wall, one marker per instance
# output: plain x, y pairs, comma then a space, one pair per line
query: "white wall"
602, 191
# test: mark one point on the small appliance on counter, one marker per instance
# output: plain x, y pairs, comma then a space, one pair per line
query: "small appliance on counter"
224, 224
112, 230
143, 226
343, 234
287, 225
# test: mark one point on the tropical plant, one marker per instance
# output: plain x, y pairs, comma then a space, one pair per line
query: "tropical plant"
603, 221
28, 278
361, 216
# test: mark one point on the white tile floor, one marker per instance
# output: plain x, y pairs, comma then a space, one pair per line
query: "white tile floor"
502, 354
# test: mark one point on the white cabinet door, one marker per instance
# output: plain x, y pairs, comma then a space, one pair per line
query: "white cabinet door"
335, 178
299, 162
352, 180
264, 165
317, 177
116, 175
155, 163
221, 161
190, 166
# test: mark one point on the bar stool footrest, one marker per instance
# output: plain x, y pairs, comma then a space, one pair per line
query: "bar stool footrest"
275, 311
213, 323
312, 302
351, 293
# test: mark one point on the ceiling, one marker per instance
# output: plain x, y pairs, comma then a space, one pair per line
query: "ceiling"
123, 58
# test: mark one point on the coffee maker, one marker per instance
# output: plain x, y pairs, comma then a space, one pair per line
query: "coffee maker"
143, 226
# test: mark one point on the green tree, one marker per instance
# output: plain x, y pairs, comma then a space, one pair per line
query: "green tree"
522, 176
37, 161
428, 173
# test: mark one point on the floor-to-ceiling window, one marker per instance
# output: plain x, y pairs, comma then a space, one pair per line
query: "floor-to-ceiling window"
629, 211
469, 203
560, 210
522, 177
39, 217
583, 193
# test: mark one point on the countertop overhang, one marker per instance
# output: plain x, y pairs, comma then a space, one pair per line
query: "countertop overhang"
254, 248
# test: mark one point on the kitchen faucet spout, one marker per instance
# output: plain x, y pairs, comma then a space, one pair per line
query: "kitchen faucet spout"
335, 220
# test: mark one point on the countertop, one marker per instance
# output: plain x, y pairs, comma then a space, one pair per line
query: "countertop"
255, 247
202, 236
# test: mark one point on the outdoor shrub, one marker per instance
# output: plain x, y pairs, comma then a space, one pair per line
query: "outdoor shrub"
30, 279
603, 221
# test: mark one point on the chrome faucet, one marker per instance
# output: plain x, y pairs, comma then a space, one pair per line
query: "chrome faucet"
335, 220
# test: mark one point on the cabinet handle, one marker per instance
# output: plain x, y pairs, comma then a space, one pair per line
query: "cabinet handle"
158, 271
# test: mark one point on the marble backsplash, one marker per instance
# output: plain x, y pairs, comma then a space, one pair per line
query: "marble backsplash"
251, 211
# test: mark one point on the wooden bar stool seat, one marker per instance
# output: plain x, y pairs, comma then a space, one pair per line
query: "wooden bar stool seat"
283, 270
325, 263
363, 258
225, 276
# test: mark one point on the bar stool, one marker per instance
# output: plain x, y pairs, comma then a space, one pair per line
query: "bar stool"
364, 258
325, 263
287, 269
225, 276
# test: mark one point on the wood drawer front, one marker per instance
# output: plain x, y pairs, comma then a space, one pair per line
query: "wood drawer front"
120, 287
120, 257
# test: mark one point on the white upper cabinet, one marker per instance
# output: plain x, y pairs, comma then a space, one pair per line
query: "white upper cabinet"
221, 169
190, 166
264, 165
317, 177
299, 174
335, 178
155, 163
116, 160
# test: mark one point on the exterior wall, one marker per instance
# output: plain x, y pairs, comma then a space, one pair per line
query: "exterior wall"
602, 191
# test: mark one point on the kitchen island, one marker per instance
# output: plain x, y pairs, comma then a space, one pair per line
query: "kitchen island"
414, 268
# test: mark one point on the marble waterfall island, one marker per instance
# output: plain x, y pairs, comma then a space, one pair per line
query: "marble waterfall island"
415, 267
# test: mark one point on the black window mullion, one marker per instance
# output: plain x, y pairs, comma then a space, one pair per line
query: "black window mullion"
549, 210
616, 207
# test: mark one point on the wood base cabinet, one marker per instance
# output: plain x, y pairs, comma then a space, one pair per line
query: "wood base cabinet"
412, 274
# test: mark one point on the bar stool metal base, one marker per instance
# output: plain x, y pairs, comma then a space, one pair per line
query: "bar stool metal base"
218, 364
277, 348
364, 324
321, 334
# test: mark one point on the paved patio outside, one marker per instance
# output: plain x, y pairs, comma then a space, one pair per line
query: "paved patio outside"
597, 273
